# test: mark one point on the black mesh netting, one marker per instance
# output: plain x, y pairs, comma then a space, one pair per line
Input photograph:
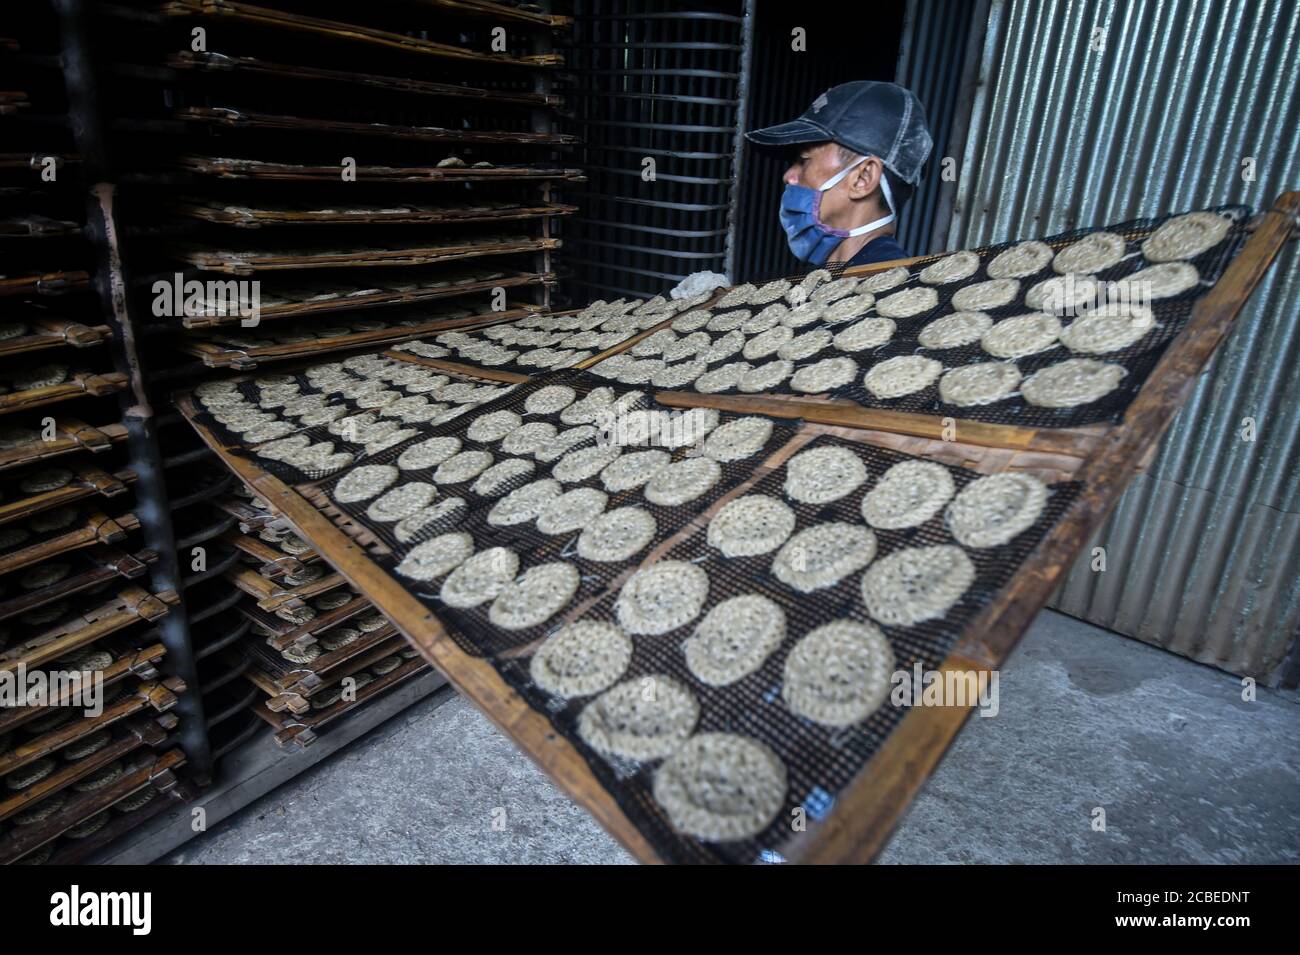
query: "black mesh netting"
471, 628
820, 761
1138, 359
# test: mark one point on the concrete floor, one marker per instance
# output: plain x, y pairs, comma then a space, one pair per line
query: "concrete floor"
1185, 771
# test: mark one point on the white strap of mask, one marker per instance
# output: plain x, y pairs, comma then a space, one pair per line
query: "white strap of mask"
884, 188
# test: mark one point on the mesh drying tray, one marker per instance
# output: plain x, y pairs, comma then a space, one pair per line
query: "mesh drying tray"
1138, 359
820, 760
470, 628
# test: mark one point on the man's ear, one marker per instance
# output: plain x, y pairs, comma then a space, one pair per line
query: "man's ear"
864, 180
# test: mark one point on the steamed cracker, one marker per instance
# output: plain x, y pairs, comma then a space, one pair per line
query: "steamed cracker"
721, 786
436, 557
908, 302
916, 584
955, 330
1021, 260
581, 658
823, 474
480, 578
1186, 236
645, 718
825, 375
750, 524
617, 535
907, 495
1022, 335
823, 555
734, 639
983, 296
662, 597
1095, 252
994, 509
951, 268
979, 384
838, 674
535, 597
1073, 382
901, 375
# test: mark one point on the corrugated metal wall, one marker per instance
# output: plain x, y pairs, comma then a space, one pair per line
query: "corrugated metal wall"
1203, 553
932, 64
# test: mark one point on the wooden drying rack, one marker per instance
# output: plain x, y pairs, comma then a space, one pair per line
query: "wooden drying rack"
1104, 458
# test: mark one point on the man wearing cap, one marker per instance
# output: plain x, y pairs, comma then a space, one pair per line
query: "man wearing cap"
861, 146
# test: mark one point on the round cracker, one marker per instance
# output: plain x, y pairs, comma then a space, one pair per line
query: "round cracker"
582, 658
983, 296
883, 281
633, 469
908, 302
765, 376
839, 673
365, 482
683, 481
951, 268
645, 718
823, 474
734, 639
584, 463
428, 454
1108, 329
901, 375
766, 343
955, 330
916, 584
528, 438
1066, 294
867, 333
480, 578
979, 384
996, 508
721, 378
523, 504
662, 597
1020, 261
823, 555
721, 786
1022, 335
806, 345
572, 510
737, 439
1156, 281
436, 557
825, 375
498, 477
907, 495
408, 528
1093, 253
617, 535
462, 466
401, 501
751, 524
1186, 236
535, 597
1073, 382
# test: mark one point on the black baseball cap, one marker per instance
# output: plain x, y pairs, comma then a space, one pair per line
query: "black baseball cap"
868, 116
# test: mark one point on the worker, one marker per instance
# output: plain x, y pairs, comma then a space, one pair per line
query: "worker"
860, 149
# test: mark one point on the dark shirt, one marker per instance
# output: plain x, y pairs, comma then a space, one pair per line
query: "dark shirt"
883, 248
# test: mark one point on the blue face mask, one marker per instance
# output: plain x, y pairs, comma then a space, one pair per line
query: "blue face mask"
809, 238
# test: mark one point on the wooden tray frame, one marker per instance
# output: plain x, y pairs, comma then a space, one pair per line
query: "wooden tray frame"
868, 809
89, 480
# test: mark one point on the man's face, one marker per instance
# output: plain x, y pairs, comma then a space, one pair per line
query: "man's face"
814, 164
